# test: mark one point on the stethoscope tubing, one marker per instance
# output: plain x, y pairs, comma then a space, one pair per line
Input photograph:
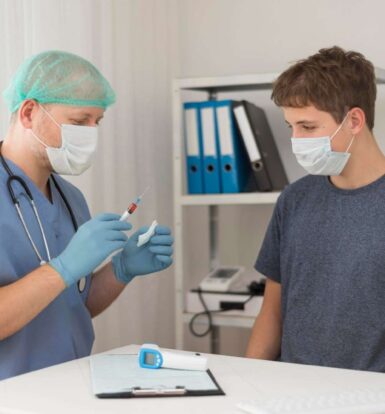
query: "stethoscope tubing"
12, 177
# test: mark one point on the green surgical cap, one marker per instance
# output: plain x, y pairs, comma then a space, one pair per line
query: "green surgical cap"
61, 78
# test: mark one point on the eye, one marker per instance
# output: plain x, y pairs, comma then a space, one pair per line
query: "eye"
308, 128
77, 122
289, 126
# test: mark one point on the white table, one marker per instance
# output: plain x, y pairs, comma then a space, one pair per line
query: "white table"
66, 388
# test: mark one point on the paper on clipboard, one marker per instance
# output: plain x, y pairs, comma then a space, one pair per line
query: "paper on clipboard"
120, 373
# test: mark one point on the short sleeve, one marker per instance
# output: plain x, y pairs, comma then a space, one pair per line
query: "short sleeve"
268, 261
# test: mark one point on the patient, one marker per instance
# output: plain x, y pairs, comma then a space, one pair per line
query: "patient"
324, 250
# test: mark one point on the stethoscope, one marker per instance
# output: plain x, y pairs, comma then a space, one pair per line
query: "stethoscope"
11, 178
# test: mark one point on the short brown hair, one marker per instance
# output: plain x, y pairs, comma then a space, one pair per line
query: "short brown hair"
333, 80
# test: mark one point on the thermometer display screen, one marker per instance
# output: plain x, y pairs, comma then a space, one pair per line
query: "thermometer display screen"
149, 358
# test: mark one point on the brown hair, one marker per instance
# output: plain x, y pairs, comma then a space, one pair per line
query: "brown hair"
333, 80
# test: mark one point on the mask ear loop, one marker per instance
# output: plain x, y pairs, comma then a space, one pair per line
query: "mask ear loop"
38, 139
49, 116
351, 142
338, 129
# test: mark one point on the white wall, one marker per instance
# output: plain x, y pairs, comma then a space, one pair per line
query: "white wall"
243, 36
226, 37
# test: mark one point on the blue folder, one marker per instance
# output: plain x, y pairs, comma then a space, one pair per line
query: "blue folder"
234, 164
211, 166
193, 142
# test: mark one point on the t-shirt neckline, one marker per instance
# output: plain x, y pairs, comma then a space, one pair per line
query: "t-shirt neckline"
354, 191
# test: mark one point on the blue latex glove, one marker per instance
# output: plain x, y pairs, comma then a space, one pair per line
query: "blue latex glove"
94, 241
149, 258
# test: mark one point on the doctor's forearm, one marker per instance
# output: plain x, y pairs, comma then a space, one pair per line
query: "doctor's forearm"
104, 289
23, 300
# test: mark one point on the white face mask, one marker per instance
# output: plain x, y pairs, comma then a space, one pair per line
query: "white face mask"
316, 156
78, 145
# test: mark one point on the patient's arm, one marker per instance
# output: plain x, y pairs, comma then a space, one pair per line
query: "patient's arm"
265, 340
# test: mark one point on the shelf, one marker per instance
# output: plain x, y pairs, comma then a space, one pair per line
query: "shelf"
223, 320
228, 83
260, 81
229, 199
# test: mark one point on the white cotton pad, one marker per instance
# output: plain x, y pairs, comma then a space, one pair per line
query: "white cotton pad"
144, 238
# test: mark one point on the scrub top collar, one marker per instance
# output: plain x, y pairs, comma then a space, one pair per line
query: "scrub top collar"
35, 190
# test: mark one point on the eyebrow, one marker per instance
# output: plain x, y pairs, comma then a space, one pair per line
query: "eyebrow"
303, 121
85, 116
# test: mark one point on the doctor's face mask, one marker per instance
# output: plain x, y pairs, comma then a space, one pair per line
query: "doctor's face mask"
78, 145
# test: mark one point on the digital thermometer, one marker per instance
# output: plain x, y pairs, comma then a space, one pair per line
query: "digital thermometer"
151, 356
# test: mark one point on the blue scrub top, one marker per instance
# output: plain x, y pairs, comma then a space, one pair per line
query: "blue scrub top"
63, 331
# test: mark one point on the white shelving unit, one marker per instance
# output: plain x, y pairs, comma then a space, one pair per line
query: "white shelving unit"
212, 87
228, 199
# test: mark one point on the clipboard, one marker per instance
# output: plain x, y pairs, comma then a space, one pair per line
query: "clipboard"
120, 376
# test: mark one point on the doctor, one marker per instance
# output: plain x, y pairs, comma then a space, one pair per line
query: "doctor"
49, 290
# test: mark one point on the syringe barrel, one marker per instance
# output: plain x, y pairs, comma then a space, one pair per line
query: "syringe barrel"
132, 208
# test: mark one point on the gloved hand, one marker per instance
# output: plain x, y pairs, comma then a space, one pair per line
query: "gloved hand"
94, 241
149, 258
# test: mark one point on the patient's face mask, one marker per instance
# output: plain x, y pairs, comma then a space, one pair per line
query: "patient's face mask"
316, 156
78, 145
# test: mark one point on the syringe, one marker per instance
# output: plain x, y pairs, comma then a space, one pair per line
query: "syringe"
133, 206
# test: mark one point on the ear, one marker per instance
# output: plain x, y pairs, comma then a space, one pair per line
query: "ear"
27, 111
357, 120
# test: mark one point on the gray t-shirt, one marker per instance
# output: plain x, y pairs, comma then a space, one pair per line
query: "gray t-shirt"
326, 246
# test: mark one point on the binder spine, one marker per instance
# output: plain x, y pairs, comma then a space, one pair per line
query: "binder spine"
267, 146
250, 141
211, 172
193, 145
235, 171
